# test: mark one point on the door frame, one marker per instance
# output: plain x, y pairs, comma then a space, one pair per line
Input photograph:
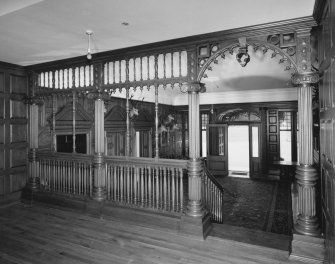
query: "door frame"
255, 163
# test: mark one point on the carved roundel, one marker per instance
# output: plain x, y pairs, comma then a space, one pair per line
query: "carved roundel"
273, 39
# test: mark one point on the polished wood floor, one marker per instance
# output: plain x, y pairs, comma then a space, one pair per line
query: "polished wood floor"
40, 234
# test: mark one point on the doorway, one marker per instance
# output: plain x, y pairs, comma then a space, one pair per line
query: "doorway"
238, 150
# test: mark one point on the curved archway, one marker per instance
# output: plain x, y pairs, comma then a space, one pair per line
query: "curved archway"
237, 115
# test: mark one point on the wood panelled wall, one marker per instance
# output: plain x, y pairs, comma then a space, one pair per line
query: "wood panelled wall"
325, 15
13, 132
60, 109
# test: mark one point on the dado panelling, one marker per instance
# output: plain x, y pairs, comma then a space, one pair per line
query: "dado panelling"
13, 130
325, 14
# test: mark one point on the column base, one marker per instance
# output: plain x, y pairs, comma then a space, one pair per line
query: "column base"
99, 194
33, 184
199, 227
307, 226
307, 249
306, 220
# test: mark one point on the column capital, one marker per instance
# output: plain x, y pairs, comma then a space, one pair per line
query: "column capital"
305, 79
194, 87
33, 100
98, 95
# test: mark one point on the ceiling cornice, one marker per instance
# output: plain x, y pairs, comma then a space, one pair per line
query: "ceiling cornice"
186, 42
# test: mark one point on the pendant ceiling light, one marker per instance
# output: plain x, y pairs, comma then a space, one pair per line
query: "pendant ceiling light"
89, 34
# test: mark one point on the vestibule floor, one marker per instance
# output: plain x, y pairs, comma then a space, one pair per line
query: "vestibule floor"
258, 205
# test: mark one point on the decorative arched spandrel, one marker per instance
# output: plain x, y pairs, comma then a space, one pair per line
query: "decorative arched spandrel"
210, 62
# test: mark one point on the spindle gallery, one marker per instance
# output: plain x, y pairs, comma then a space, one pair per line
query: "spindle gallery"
167, 132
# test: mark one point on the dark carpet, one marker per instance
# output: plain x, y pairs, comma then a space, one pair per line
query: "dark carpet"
261, 205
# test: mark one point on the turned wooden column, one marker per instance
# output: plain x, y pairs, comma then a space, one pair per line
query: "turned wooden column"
33, 102
127, 123
196, 221
306, 175
156, 123
99, 181
194, 165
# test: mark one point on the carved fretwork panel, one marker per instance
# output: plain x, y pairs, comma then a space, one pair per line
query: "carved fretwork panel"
219, 51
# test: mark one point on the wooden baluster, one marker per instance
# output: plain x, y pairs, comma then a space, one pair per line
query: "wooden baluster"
166, 189
128, 183
142, 185
164, 65
66, 176
85, 180
120, 72
181, 190
173, 171
58, 77
90, 180
115, 182
107, 169
57, 175
121, 184
62, 176
150, 193
179, 63
148, 58
157, 186
141, 68
74, 175
113, 71
136, 179
146, 184
80, 174
52, 180
172, 65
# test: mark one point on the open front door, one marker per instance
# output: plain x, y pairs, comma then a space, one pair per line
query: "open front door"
255, 148
217, 150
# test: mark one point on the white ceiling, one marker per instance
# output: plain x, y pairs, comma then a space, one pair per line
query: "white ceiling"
35, 31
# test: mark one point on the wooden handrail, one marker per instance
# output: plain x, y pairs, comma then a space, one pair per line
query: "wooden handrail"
148, 161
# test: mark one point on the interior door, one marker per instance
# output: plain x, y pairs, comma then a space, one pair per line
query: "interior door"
145, 143
255, 150
217, 150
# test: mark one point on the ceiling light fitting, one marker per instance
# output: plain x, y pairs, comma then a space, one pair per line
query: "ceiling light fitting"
89, 54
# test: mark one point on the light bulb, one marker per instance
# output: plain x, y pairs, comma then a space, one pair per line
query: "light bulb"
89, 56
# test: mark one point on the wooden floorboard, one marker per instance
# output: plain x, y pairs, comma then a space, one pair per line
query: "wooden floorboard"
39, 234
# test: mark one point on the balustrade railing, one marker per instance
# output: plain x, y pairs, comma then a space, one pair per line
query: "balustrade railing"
212, 196
65, 173
146, 183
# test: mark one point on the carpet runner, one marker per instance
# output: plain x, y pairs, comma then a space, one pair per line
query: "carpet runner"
260, 205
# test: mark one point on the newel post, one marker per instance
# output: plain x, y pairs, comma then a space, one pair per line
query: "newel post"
306, 175
196, 221
33, 103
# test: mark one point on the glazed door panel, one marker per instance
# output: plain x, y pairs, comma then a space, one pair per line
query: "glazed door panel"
255, 150
217, 150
